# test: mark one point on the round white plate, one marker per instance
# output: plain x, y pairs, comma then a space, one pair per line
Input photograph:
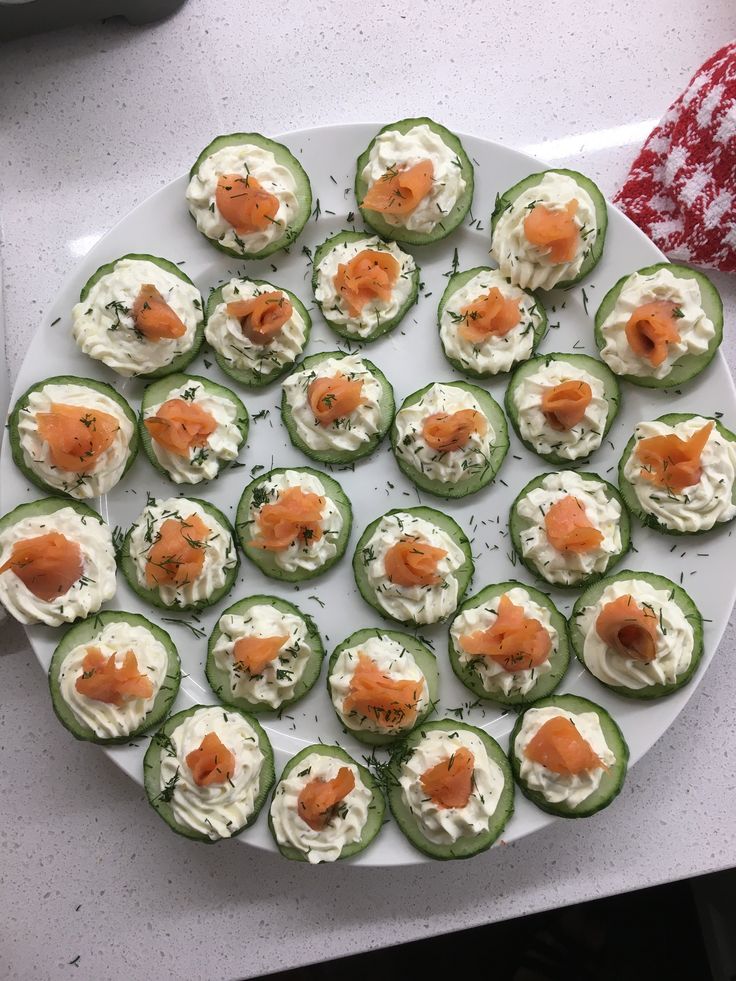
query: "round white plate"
410, 357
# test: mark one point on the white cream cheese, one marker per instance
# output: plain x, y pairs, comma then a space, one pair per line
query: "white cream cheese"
700, 506
103, 327
530, 266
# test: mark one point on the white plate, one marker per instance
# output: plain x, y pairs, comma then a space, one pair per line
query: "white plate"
410, 357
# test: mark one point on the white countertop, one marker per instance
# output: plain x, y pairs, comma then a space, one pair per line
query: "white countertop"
96, 118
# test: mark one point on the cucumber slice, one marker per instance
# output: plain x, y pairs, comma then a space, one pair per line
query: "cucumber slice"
180, 362
426, 662
86, 632
689, 365
593, 366
247, 376
264, 560
505, 201
286, 159
456, 283
385, 325
376, 808
592, 595
445, 523
474, 479
468, 845
22, 405
153, 596
219, 680
160, 801
450, 221
158, 392
613, 778
518, 525
386, 405
559, 659
629, 494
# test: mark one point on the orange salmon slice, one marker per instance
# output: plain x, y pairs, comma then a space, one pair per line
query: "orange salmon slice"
450, 782
400, 190
254, 653
374, 695
245, 204
554, 230
413, 563
515, 641
669, 461
104, 681
492, 315
177, 555
628, 629
568, 528
154, 318
564, 405
334, 398
296, 514
370, 275
48, 565
319, 799
180, 425
650, 329
559, 747
76, 437
262, 317
447, 431
211, 762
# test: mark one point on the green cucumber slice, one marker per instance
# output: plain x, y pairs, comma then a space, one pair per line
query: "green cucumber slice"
264, 560
613, 778
450, 221
559, 659
86, 632
689, 365
466, 846
376, 808
152, 773
219, 680
426, 662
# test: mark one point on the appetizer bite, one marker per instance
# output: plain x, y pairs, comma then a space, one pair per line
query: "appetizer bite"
660, 326
180, 553
207, 772
191, 428
248, 195
73, 436
488, 325
639, 634
57, 562
677, 474
139, 315
548, 230
414, 182
568, 756
263, 655
569, 528
113, 676
293, 523
508, 644
451, 789
450, 438
363, 285
413, 565
562, 405
256, 330
325, 806
382, 684
337, 407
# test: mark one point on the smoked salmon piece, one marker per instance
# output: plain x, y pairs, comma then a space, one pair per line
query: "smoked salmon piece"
319, 799
76, 437
370, 275
413, 563
48, 565
254, 653
104, 681
568, 528
180, 425
385, 700
515, 641
556, 231
564, 405
211, 762
491, 315
154, 318
296, 514
334, 398
650, 329
400, 190
628, 629
245, 204
450, 781
262, 317
177, 554
671, 462
559, 747
447, 431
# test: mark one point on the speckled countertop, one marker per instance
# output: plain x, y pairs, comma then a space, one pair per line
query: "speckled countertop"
93, 119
